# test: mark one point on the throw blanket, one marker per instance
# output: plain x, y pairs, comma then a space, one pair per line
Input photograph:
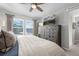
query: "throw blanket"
30, 45
12, 52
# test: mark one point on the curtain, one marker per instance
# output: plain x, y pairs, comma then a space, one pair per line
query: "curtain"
9, 22
35, 28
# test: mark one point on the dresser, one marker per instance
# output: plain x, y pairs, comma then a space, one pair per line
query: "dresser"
51, 32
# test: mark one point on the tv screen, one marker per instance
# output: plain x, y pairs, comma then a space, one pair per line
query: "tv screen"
49, 22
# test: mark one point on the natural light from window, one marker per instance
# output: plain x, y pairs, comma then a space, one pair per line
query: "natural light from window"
22, 26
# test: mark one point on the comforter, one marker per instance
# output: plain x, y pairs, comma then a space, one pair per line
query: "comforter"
30, 45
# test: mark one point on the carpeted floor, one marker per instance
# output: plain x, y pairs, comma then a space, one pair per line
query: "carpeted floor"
74, 51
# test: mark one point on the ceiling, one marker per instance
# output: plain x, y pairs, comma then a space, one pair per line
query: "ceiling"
23, 9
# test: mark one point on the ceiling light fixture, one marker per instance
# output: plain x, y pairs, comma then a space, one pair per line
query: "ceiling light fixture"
33, 6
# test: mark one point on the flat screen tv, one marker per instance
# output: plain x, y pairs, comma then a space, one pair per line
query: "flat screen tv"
49, 22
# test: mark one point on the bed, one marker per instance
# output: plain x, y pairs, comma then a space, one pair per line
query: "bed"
30, 45
12, 52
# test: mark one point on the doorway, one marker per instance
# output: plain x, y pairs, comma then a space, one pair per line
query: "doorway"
76, 40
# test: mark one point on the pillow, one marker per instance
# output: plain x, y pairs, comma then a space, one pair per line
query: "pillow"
7, 40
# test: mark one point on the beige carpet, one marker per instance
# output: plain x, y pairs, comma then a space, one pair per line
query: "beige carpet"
74, 51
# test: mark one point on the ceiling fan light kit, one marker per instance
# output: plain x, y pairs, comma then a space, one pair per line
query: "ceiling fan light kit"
33, 6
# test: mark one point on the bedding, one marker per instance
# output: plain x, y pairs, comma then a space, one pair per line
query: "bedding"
30, 45
12, 52
7, 40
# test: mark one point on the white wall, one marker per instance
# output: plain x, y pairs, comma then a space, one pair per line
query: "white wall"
65, 19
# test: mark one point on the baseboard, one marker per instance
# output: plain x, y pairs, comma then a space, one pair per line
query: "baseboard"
65, 48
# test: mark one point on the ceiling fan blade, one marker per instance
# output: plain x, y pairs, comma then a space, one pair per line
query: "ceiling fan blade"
37, 3
31, 9
39, 8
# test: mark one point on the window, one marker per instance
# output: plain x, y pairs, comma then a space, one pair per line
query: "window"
28, 26
18, 26
21, 26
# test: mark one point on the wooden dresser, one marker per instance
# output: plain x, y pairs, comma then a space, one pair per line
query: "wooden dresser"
51, 32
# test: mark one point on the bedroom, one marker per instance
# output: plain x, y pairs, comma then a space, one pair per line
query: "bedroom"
41, 29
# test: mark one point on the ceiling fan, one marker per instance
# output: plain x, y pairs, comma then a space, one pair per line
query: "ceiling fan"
35, 6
